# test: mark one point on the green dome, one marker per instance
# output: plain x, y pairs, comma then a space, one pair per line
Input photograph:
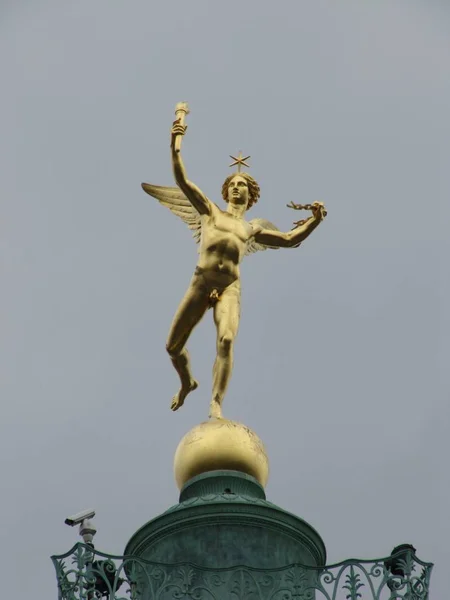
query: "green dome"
222, 520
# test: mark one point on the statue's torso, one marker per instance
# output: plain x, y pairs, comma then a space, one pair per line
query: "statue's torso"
223, 244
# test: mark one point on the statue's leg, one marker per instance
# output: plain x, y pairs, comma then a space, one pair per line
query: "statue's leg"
189, 313
226, 318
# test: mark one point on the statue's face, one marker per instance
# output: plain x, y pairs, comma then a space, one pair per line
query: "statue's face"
238, 191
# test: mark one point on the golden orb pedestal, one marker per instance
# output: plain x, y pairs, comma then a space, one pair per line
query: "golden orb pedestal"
218, 445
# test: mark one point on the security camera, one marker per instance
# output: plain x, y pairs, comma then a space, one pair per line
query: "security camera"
87, 529
80, 517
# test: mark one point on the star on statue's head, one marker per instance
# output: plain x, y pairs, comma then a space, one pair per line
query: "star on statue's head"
239, 161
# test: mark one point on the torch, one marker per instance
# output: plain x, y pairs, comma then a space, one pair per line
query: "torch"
181, 110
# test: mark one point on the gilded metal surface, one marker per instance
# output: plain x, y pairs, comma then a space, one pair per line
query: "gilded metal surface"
239, 161
86, 574
225, 237
220, 444
304, 207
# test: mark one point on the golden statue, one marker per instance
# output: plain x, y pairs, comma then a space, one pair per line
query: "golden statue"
224, 238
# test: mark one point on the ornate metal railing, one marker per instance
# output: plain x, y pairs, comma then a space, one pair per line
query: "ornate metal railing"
84, 573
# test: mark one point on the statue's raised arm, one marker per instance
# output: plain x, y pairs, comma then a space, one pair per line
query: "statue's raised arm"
197, 198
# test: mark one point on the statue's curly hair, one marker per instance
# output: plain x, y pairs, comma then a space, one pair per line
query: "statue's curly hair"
253, 188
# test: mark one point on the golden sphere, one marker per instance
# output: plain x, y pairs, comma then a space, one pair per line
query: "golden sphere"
217, 445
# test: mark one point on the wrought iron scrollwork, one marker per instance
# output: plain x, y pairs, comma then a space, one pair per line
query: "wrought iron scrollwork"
84, 573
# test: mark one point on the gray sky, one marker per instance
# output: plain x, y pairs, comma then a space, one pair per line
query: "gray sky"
342, 352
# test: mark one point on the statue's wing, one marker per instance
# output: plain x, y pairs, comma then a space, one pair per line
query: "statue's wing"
254, 246
176, 201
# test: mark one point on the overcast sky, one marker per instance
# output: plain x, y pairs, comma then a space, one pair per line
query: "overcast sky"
343, 348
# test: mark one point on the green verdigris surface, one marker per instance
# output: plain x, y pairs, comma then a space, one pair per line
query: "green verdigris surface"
225, 541
86, 574
223, 519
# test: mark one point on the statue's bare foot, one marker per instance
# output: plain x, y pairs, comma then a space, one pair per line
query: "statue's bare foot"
178, 399
215, 410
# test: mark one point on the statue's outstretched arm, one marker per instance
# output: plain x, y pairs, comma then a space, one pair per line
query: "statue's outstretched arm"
292, 238
195, 196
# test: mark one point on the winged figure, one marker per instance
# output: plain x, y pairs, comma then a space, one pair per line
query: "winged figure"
224, 238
